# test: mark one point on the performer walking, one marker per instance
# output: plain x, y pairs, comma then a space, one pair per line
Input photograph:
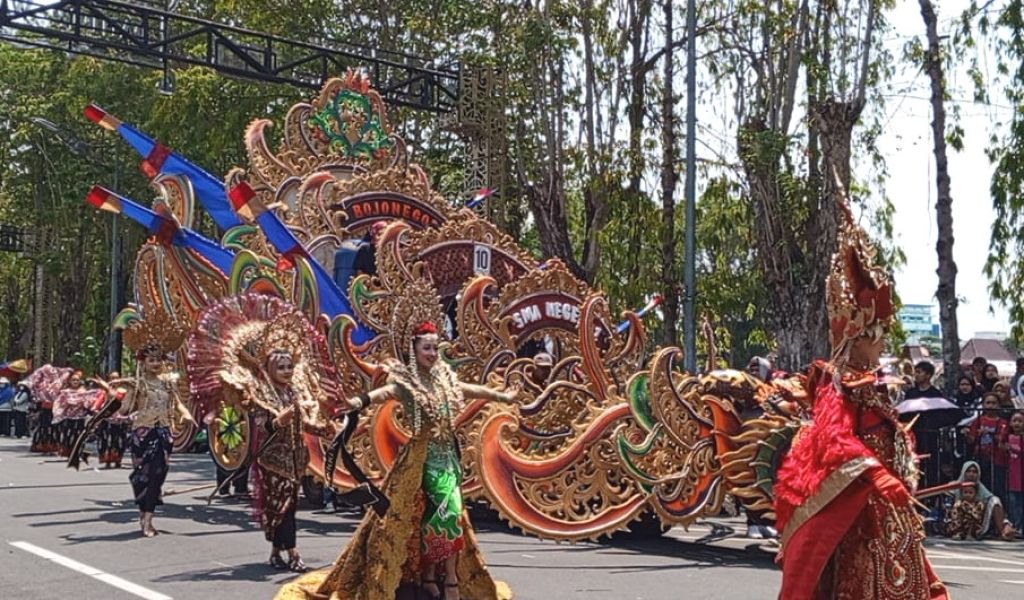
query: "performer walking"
45, 384
426, 538
153, 406
71, 409
259, 353
843, 495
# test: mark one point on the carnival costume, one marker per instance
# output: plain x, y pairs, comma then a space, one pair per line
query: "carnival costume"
112, 439
46, 384
70, 411
426, 523
230, 356
154, 407
843, 494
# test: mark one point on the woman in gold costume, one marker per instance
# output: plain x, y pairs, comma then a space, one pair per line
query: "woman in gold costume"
425, 540
153, 406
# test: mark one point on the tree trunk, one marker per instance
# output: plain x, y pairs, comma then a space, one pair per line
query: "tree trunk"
595, 195
778, 250
540, 170
639, 17
946, 292
670, 287
833, 121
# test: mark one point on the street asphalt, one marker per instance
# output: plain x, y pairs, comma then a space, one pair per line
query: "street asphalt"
67, 534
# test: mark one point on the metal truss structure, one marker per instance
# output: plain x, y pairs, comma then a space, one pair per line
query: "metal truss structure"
140, 34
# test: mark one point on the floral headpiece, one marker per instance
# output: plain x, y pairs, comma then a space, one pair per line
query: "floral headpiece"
284, 334
425, 328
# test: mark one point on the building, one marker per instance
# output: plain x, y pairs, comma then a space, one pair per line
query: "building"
918, 321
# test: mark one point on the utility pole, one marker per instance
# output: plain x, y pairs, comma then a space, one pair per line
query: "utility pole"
689, 261
114, 349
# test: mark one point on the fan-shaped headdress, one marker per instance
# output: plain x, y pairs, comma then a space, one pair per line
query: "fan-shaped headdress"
859, 292
233, 340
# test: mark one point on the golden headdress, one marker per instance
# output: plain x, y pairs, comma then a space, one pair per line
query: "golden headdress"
287, 332
233, 339
859, 292
418, 302
156, 332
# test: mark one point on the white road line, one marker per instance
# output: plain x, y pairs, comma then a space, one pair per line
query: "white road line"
1011, 581
953, 556
986, 569
93, 572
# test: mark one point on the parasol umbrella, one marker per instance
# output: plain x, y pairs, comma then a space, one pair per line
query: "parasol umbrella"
932, 413
15, 369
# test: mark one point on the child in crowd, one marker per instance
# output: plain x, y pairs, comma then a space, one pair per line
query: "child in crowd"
987, 437
967, 516
1016, 470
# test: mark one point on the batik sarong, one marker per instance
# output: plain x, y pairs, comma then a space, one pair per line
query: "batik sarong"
151, 451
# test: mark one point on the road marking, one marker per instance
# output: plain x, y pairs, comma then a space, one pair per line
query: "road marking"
953, 556
1011, 581
107, 578
986, 569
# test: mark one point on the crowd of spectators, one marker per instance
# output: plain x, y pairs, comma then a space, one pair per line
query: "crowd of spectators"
984, 451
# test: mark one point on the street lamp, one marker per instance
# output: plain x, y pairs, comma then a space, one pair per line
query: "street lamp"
82, 148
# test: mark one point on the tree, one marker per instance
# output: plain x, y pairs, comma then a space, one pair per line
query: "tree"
670, 284
946, 293
796, 188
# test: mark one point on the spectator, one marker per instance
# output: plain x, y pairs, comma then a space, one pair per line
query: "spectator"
6, 406
1015, 496
989, 377
968, 515
1017, 385
966, 395
1006, 407
22, 403
978, 368
994, 521
366, 256
987, 436
923, 388
760, 368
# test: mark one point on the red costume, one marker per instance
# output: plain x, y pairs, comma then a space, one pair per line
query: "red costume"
843, 494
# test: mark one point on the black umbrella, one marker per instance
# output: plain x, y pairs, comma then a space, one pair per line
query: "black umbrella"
932, 413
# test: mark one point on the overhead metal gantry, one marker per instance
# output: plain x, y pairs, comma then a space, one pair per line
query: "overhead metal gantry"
142, 34
145, 34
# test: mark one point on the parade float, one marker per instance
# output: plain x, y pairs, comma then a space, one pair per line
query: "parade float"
611, 432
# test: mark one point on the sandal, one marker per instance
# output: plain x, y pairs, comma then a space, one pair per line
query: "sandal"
436, 595
449, 586
295, 565
277, 562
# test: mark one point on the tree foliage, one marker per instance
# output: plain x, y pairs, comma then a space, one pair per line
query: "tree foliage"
592, 123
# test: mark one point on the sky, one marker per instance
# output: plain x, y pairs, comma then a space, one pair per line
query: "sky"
907, 147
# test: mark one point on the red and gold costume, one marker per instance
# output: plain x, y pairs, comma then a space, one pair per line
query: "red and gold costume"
843, 495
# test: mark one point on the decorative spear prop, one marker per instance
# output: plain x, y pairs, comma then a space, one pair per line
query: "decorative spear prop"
654, 302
